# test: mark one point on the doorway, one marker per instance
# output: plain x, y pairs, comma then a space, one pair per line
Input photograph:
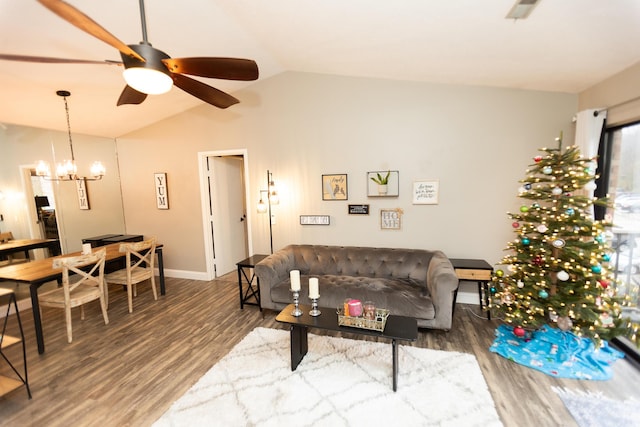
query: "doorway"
224, 199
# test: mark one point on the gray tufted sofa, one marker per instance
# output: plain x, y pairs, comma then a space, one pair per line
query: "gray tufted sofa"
409, 282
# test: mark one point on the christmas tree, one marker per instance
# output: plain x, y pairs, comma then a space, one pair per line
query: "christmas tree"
557, 270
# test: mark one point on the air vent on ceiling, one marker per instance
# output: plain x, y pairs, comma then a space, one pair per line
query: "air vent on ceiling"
522, 9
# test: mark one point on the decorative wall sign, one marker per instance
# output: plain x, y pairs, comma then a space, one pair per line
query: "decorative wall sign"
425, 192
391, 219
314, 219
390, 189
358, 209
334, 187
83, 196
162, 195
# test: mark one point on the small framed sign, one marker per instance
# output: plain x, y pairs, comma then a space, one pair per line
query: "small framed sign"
391, 219
425, 192
314, 219
83, 197
162, 195
358, 209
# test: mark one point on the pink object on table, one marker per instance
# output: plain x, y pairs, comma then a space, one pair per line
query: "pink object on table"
355, 308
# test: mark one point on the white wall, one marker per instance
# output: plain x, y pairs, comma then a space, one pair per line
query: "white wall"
476, 141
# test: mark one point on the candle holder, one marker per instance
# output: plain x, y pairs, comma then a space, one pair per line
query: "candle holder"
296, 302
314, 307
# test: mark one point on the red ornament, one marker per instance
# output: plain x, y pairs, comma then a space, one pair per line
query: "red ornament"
515, 224
537, 159
518, 331
537, 260
604, 284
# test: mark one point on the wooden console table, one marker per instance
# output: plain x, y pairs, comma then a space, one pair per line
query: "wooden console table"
477, 270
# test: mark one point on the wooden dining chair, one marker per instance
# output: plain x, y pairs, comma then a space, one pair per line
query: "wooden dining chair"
140, 262
86, 284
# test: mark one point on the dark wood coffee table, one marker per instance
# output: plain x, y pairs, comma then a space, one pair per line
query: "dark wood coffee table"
396, 328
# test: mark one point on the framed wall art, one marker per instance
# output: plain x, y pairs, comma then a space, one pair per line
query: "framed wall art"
162, 195
391, 219
314, 220
383, 183
83, 197
425, 192
334, 187
358, 209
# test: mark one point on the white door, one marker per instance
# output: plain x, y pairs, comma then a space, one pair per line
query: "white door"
228, 212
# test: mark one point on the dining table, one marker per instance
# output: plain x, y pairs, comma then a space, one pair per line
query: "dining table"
37, 273
25, 245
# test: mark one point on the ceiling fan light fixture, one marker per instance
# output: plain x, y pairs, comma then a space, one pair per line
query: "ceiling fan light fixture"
148, 80
151, 76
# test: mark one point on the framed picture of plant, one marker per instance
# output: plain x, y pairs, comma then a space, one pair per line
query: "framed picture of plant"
334, 187
383, 183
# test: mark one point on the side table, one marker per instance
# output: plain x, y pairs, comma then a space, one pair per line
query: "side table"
477, 270
251, 290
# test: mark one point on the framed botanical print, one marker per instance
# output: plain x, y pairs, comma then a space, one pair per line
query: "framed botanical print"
383, 183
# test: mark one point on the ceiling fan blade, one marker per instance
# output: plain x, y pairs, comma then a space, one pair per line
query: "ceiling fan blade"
50, 60
131, 96
204, 92
88, 25
217, 68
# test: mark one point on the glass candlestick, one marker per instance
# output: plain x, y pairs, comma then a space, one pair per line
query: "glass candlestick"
296, 302
314, 307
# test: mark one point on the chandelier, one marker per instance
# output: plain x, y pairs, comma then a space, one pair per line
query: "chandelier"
67, 170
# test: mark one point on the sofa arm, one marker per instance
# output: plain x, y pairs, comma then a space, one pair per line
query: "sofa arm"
272, 270
442, 283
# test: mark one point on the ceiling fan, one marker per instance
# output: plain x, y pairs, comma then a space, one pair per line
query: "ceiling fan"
149, 71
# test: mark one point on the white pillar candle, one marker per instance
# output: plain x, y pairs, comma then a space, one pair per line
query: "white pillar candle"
294, 275
314, 291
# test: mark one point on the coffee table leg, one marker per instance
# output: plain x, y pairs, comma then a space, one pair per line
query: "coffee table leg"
299, 345
394, 347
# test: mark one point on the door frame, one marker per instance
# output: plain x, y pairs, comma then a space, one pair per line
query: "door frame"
204, 203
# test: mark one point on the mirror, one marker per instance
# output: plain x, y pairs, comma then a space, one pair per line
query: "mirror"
23, 213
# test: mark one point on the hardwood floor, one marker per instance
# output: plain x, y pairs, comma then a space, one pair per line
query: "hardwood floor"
128, 373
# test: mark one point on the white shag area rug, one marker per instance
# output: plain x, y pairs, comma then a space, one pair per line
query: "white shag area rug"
340, 382
590, 409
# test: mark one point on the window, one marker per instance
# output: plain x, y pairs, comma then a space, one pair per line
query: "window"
619, 161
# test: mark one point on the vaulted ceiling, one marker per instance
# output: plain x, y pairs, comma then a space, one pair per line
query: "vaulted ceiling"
563, 46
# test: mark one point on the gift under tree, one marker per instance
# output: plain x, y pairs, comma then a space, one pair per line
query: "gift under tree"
557, 273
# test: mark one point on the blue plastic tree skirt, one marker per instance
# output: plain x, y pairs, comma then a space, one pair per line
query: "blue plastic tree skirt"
557, 353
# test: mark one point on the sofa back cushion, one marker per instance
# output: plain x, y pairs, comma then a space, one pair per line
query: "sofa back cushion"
362, 261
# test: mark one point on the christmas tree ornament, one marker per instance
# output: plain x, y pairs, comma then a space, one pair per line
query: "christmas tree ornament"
537, 159
515, 224
527, 186
562, 275
535, 205
519, 331
524, 209
606, 257
556, 191
606, 320
520, 284
564, 323
499, 273
570, 211
604, 283
547, 170
525, 241
558, 243
492, 289
542, 228
596, 268
543, 294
